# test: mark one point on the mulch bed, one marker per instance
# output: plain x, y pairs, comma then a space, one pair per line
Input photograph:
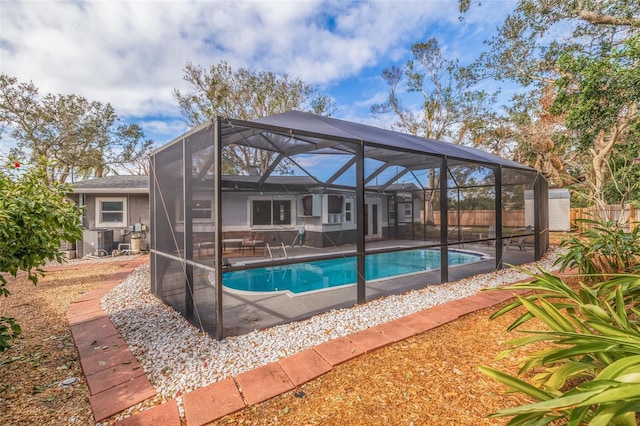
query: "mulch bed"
44, 355
428, 379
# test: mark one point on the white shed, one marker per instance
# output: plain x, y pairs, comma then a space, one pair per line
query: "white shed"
559, 209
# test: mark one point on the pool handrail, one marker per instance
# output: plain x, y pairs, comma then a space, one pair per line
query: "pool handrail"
282, 246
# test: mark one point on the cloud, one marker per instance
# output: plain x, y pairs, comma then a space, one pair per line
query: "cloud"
132, 53
162, 130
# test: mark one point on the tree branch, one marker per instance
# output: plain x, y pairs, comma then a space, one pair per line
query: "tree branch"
595, 19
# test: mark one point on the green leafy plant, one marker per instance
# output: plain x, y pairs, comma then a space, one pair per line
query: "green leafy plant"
601, 248
589, 371
35, 218
9, 330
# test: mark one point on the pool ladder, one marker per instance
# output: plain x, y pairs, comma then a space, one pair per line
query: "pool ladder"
282, 246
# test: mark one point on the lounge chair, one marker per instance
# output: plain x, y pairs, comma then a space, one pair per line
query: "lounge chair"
520, 241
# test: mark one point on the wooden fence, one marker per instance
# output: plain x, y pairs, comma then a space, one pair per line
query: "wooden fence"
628, 216
483, 218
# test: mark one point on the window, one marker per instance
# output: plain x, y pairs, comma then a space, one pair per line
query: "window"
307, 205
111, 211
347, 211
201, 210
270, 212
334, 204
261, 212
311, 205
407, 210
200, 206
281, 212
334, 209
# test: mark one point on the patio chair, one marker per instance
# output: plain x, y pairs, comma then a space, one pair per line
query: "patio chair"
201, 244
253, 242
520, 240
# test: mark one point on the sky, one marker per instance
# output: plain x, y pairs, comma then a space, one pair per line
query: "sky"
132, 54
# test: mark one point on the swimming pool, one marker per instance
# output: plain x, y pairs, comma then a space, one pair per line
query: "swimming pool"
324, 274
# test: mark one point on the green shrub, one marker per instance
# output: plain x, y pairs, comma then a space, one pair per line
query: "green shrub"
589, 372
35, 218
601, 248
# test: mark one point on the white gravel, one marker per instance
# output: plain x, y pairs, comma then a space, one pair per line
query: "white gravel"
179, 358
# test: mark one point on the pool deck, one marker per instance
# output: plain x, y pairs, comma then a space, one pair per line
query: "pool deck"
117, 382
245, 311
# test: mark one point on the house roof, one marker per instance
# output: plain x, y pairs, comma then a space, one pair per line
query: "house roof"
122, 184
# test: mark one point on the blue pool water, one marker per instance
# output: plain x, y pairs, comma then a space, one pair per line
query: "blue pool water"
322, 274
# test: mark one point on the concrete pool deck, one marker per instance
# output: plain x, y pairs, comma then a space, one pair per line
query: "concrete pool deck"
116, 381
246, 311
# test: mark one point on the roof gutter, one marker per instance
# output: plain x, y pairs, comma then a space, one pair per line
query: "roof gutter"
110, 190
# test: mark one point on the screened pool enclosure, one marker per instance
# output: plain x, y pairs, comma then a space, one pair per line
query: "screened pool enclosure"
258, 223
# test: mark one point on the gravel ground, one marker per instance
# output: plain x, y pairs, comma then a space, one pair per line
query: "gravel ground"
179, 358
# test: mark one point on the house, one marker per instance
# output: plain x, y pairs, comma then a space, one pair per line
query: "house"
326, 215
115, 214
115, 204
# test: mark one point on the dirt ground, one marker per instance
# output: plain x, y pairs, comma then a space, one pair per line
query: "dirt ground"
430, 379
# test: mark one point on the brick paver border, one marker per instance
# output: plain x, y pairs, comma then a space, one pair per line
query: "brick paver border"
115, 379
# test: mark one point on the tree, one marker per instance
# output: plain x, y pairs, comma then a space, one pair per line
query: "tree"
35, 218
138, 166
536, 140
599, 97
78, 137
245, 95
449, 108
577, 58
624, 187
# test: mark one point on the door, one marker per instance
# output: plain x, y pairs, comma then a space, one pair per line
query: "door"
372, 219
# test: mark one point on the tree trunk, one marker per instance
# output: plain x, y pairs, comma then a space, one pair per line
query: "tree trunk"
599, 164
603, 145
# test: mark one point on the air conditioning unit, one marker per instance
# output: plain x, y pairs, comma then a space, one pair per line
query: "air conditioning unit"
66, 246
97, 242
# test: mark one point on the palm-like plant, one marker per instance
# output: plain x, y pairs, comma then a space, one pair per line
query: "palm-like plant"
590, 371
601, 248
